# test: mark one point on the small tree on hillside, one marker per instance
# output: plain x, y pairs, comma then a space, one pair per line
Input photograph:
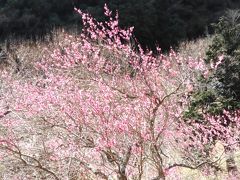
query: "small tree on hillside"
221, 91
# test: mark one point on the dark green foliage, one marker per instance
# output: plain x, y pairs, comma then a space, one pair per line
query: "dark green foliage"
165, 22
31, 17
227, 42
222, 89
227, 39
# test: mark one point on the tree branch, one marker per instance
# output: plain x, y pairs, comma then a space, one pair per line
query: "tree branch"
5, 113
38, 164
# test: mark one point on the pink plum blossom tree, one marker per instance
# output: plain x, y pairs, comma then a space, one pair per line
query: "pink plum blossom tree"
98, 109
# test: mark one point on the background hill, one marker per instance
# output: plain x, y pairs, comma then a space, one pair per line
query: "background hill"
165, 22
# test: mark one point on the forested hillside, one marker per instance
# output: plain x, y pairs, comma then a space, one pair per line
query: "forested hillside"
165, 22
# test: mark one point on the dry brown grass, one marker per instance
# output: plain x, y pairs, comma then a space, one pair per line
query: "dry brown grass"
23, 54
196, 48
